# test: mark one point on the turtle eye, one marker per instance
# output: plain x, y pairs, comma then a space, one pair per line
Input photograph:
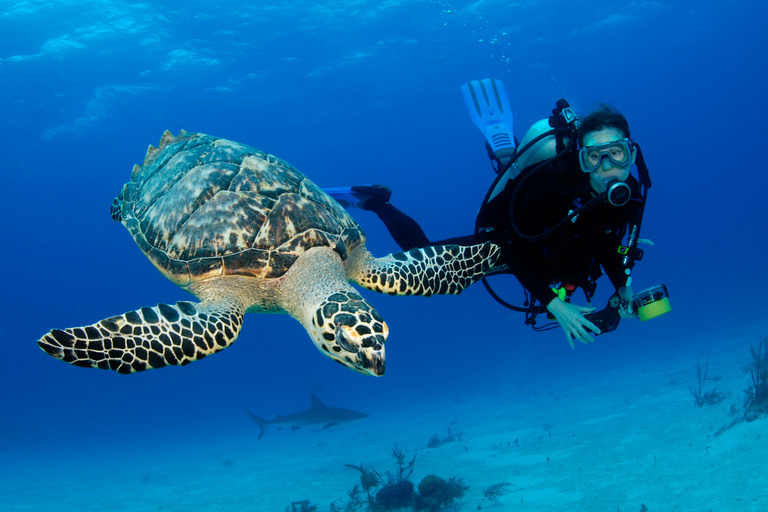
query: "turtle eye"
345, 343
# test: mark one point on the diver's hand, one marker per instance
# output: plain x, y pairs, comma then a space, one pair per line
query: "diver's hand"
626, 310
571, 319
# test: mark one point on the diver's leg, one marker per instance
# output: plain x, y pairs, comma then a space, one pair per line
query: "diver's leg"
375, 198
404, 230
461, 240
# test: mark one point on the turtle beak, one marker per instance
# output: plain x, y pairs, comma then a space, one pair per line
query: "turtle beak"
373, 365
363, 354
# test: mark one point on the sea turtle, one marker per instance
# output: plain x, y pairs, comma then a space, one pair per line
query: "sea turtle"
244, 231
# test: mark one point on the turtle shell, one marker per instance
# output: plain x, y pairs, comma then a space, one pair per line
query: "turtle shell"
202, 206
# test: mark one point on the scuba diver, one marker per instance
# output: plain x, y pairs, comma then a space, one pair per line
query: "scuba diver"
564, 208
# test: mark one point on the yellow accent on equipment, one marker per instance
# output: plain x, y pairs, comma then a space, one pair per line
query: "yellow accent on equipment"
652, 302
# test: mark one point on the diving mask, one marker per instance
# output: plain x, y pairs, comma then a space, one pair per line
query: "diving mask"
619, 153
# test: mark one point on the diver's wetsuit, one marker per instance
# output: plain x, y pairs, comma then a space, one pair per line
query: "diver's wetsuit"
573, 254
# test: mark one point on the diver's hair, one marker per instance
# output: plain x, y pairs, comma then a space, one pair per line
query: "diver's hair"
604, 117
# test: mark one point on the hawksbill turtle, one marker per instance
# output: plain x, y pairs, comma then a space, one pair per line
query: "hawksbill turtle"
246, 232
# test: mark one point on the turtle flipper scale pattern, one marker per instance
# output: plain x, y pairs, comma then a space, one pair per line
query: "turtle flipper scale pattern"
435, 270
150, 337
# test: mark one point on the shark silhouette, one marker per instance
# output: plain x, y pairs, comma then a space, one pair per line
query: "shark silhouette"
318, 414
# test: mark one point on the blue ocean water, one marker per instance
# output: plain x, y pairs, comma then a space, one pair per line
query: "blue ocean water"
356, 92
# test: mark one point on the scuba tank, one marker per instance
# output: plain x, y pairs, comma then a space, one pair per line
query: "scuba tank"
538, 145
545, 142
542, 149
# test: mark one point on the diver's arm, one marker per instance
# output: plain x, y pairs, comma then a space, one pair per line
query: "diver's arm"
532, 276
616, 271
404, 230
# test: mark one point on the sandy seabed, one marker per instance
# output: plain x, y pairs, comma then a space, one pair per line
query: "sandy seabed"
616, 441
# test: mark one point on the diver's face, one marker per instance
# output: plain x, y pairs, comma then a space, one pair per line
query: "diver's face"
607, 170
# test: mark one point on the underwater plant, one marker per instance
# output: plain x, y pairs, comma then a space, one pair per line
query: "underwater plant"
698, 393
453, 435
403, 470
355, 501
436, 493
756, 402
493, 493
301, 506
394, 496
435, 441
397, 492
369, 478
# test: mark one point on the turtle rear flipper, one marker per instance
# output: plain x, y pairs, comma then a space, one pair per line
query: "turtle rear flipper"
439, 269
149, 337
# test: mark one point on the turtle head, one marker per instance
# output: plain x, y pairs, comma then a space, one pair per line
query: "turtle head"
348, 330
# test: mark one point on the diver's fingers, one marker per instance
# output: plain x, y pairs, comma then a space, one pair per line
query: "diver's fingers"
583, 336
571, 319
627, 311
592, 327
569, 337
579, 331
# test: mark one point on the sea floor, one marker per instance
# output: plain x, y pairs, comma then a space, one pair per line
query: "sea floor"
615, 441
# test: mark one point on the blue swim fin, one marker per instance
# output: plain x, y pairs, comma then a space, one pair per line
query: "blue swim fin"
488, 106
356, 196
343, 195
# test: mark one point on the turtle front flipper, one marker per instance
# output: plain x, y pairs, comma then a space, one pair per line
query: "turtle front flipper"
149, 337
439, 269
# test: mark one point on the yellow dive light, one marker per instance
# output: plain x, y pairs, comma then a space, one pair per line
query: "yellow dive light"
651, 302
